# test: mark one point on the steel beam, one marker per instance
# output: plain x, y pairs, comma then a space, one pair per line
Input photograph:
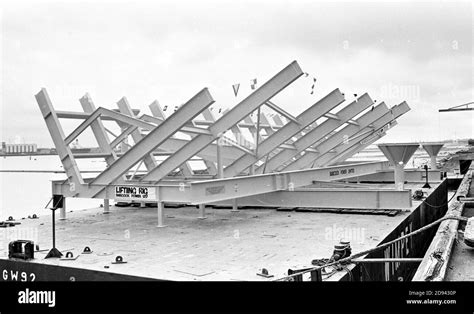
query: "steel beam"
234, 116
208, 153
344, 198
257, 138
318, 133
122, 136
156, 137
335, 139
282, 111
189, 128
194, 130
124, 108
342, 153
166, 192
173, 144
158, 113
240, 137
361, 140
210, 165
410, 175
80, 115
57, 135
264, 122
277, 120
250, 125
236, 130
98, 130
82, 127
209, 191
285, 133
143, 121
232, 188
332, 116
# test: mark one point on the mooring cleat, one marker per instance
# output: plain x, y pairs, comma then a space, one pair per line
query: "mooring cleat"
264, 273
119, 260
69, 257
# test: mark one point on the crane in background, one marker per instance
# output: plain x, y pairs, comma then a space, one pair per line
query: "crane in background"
463, 107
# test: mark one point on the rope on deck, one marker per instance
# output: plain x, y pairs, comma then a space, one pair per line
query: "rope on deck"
382, 246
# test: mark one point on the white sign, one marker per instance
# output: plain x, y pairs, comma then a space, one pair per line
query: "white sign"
134, 192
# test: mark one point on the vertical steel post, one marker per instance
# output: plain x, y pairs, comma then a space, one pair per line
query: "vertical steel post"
257, 138
62, 211
161, 215
252, 170
53, 215
427, 185
220, 165
235, 207
433, 163
202, 211
106, 206
399, 174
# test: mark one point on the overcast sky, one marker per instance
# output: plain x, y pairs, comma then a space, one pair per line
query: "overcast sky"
420, 52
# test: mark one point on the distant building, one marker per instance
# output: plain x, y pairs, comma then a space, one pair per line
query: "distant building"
19, 148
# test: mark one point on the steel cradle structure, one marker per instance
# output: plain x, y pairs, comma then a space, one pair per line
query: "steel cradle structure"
288, 154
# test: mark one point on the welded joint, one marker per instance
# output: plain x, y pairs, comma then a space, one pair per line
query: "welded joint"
282, 112
332, 116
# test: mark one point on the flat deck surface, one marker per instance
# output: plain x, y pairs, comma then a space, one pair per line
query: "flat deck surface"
225, 246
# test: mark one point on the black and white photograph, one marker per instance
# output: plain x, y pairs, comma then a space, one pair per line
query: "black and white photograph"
231, 155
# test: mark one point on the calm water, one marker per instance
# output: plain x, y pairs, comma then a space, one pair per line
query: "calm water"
23, 194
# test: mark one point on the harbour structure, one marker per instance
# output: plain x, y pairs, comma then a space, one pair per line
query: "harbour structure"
8, 148
295, 166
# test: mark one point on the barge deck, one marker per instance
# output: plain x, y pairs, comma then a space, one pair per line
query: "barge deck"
225, 246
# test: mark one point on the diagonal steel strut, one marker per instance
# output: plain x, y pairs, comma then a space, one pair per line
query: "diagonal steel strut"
157, 136
310, 115
319, 132
236, 114
358, 143
338, 137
